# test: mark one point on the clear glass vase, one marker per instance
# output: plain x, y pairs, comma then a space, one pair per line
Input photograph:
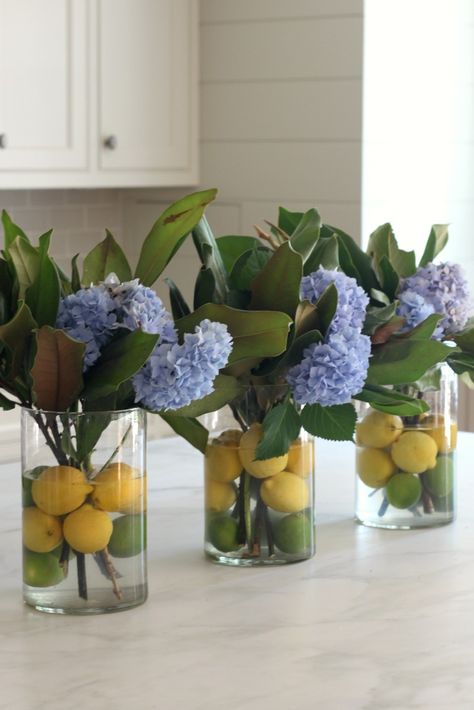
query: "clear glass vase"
257, 512
84, 510
406, 466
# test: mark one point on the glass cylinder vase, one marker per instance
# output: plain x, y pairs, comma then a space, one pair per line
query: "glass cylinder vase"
257, 512
406, 466
84, 510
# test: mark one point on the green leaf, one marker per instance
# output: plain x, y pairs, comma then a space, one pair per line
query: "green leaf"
364, 274
190, 429
26, 262
281, 426
336, 423
425, 329
75, 278
388, 277
401, 361
208, 251
57, 370
89, 429
5, 403
382, 244
277, 287
15, 335
43, 295
379, 296
64, 281
11, 230
256, 334
169, 232
179, 307
204, 288
119, 361
288, 221
104, 259
325, 254
461, 362
6, 286
391, 401
231, 247
437, 240
248, 266
226, 389
306, 234
377, 317
465, 339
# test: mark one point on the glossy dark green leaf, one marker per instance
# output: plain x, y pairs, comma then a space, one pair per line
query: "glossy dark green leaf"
15, 334
120, 360
57, 370
106, 258
169, 232
364, 274
208, 251
232, 246
89, 429
377, 317
288, 221
248, 266
179, 307
75, 278
44, 293
425, 329
325, 254
336, 423
277, 287
401, 361
465, 340
6, 285
391, 401
26, 262
11, 230
204, 288
226, 389
437, 240
190, 429
306, 234
388, 277
281, 426
461, 362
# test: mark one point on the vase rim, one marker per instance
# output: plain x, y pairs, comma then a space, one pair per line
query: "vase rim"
35, 410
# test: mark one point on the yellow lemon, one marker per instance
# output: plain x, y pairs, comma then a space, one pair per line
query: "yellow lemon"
221, 461
219, 496
378, 430
285, 492
259, 469
230, 436
41, 532
374, 467
87, 529
301, 458
117, 488
415, 452
444, 435
60, 489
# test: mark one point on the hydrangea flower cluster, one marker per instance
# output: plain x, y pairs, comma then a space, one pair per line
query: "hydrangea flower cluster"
435, 288
352, 300
333, 371
175, 375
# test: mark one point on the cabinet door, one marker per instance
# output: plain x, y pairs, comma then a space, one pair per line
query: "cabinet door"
43, 102
145, 52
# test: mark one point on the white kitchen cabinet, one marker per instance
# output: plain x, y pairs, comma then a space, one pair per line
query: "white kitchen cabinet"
98, 93
43, 85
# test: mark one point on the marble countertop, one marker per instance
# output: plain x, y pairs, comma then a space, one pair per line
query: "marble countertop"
378, 620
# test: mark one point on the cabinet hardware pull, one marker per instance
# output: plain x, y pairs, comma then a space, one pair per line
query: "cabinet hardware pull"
111, 142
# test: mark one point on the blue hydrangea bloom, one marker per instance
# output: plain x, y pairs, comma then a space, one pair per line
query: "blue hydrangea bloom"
89, 316
351, 299
138, 306
440, 288
177, 374
332, 372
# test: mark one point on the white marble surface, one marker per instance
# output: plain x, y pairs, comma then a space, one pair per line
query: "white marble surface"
378, 620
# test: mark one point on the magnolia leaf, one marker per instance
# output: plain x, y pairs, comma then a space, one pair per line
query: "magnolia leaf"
391, 401
388, 277
15, 335
120, 360
190, 429
104, 259
226, 389
179, 307
281, 426
361, 263
89, 429
404, 262
277, 286
376, 317
75, 278
43, 295
325, 254
437, 240
306, 234
336, 423
26, 262
208, 251
57, 370
169, 232
425, 329
256, 334
465, 339
384, 332
248, 266
401, 361
288, 221
5, 403
379, 296
6, 286
461, 363
231, 247
204, 288
11, 230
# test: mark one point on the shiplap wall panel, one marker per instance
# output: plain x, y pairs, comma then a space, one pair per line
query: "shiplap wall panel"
294, 49
250, 111
213, 11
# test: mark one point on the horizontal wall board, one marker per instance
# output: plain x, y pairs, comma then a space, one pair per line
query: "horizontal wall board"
255, 51
236, 10
273, 171
313, 110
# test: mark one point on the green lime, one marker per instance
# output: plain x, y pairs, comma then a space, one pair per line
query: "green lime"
293, 533
403, 490
41, 569
128, 536
222, 532
440, 479
26, 482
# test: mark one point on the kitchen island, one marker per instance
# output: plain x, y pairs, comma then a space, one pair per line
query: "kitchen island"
378, 620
